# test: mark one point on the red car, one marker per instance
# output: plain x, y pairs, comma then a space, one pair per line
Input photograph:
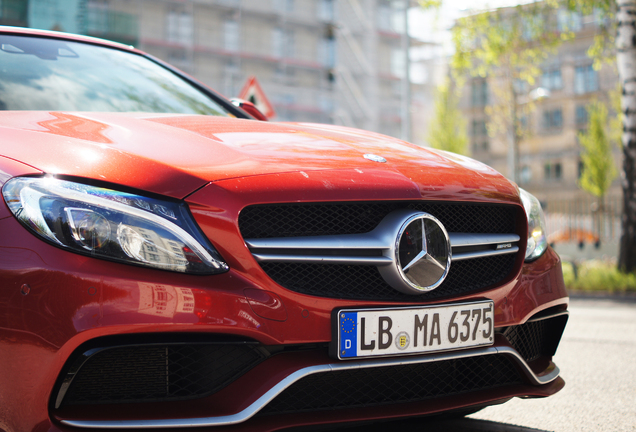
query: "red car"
169, 261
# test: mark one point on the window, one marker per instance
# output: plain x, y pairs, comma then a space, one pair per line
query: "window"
326, 10
284, 5
552, 171
479, 93
581, 116
553, 120
283, 43
398, 63
479, 128
569, 21
327, 52
551, 78
585, 79
480, 135
525, 176
179, 28
232, 39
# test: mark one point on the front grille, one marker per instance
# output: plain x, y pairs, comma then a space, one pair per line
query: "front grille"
359, 282
536, 339
164, 372
365, 282
316, 219
394, 384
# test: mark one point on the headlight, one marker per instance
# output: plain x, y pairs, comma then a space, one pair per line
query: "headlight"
113, 225
537, 238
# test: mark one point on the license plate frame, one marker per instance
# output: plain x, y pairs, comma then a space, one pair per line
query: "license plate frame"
438, 328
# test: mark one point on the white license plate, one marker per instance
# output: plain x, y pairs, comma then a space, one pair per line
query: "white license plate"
413, 330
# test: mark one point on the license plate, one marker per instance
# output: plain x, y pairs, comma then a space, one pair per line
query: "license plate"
413, 330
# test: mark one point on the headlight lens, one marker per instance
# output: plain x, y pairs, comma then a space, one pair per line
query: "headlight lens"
537, 236
114, 225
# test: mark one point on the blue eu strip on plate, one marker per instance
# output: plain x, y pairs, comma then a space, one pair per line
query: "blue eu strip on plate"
348, 334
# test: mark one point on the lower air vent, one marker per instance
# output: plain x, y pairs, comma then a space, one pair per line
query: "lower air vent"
157, 372
537, 338
394, 384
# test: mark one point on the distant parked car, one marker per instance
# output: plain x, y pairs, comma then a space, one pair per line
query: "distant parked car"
169, 261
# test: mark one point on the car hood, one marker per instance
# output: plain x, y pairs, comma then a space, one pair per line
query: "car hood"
175, 155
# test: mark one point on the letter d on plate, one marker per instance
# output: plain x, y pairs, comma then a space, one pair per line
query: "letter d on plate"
348, 323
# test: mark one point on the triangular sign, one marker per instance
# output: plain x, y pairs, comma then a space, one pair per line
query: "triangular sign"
253, 92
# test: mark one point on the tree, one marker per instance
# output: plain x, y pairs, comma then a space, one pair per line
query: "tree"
616, 40
506, 45
448, 129
598, 163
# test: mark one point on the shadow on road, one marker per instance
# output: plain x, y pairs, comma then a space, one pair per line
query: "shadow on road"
424, 425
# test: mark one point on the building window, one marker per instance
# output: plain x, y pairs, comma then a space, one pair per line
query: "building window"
179, 28
479, 93
479, 134
284, 5
581, 116
327, 52
552, 171
232, 36
569, 21
398, 63
479, 128
525, 175
551, 78
283, 43
326, 10
553, 120
585, 79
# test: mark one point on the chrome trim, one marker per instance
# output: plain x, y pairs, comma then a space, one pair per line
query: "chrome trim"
545, 378
486, 253
326, 259
375, 241
549, 316
370, 240
467, 239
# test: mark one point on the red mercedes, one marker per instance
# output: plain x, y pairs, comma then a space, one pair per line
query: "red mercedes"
167, 260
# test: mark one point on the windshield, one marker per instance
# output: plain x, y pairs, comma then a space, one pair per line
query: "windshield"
57, 75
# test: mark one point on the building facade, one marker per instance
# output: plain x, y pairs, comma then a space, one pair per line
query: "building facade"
549, 153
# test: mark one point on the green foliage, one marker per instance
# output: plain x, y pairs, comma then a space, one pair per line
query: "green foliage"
507, 45
517, 39
430, 4
598, 164
448, 129
597, 275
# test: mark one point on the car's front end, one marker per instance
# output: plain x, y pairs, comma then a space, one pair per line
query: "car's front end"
177, 271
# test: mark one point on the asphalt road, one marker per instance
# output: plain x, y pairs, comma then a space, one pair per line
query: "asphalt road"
597, 358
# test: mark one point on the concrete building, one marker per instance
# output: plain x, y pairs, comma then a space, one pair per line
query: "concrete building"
324, 61
549, 154
549, 163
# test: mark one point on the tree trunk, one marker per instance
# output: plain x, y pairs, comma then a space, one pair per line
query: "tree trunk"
626, 61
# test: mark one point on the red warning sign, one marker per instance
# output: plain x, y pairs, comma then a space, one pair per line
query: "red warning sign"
253, 92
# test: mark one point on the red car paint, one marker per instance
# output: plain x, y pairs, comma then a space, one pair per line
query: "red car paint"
52, 300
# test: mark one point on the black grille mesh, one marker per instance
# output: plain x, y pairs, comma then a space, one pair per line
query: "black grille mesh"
394, 384
365, 282
314, 219
160, 372
537, 338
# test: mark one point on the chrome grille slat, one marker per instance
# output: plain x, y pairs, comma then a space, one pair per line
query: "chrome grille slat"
374, 241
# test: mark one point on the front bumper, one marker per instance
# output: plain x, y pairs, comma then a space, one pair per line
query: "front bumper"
72, 301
